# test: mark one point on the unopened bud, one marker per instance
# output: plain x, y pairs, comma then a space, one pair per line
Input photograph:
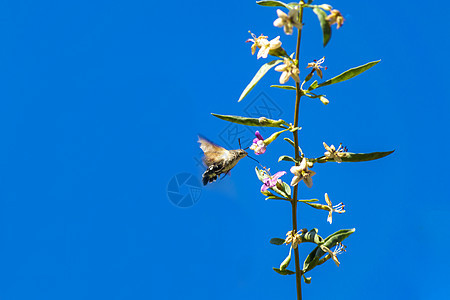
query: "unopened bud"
324, 100
266, 193
263, 120
326, 7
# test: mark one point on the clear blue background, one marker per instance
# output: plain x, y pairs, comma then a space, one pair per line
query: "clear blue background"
101, 103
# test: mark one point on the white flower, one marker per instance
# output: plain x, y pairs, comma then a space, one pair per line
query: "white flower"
264, 45
288, 21
289, 69
339, 208
302, 173
332, 153
333, 254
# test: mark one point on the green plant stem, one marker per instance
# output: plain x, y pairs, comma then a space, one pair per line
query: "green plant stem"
298, 274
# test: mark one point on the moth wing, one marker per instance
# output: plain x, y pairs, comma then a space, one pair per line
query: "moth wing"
213, 152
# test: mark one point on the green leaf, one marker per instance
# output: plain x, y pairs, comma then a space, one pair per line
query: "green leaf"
286, 261
293, 144
308, 200
312, 237
277, 241
326, 28
355, 157
260, 122
260, 74
313, 258
313, 86
348, 74
284, 87
284, 191
334, 239
290, 141
276, 198
286, 158
317, 206
283, 272
272, 3
293, 5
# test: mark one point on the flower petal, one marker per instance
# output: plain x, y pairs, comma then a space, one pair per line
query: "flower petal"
281, 14
327, 199
296, 170
278, 175
284, 77
295, 180
308, 181
258, 135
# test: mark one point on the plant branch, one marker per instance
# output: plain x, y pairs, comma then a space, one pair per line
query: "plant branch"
298, 274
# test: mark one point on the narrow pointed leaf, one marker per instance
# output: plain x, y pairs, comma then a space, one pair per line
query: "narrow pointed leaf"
308, 200
356, 157
348, 74
277, 198
260, 122
313, 85
260, 74
293, 144
284, 87
326, 28
277, 241
318, 206
272, 3
284, 272
286, 158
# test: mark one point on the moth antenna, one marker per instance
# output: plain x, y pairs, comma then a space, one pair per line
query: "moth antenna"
246, 148
239, 140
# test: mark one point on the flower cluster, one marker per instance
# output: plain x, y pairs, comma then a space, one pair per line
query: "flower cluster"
293, 237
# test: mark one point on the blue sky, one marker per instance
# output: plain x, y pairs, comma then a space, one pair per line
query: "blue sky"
101, 104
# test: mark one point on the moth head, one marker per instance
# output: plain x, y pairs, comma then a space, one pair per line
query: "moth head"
241, 153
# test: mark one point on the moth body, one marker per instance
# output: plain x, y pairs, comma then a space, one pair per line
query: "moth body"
218, 160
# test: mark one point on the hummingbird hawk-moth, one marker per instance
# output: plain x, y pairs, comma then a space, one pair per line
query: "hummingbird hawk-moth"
218, 160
